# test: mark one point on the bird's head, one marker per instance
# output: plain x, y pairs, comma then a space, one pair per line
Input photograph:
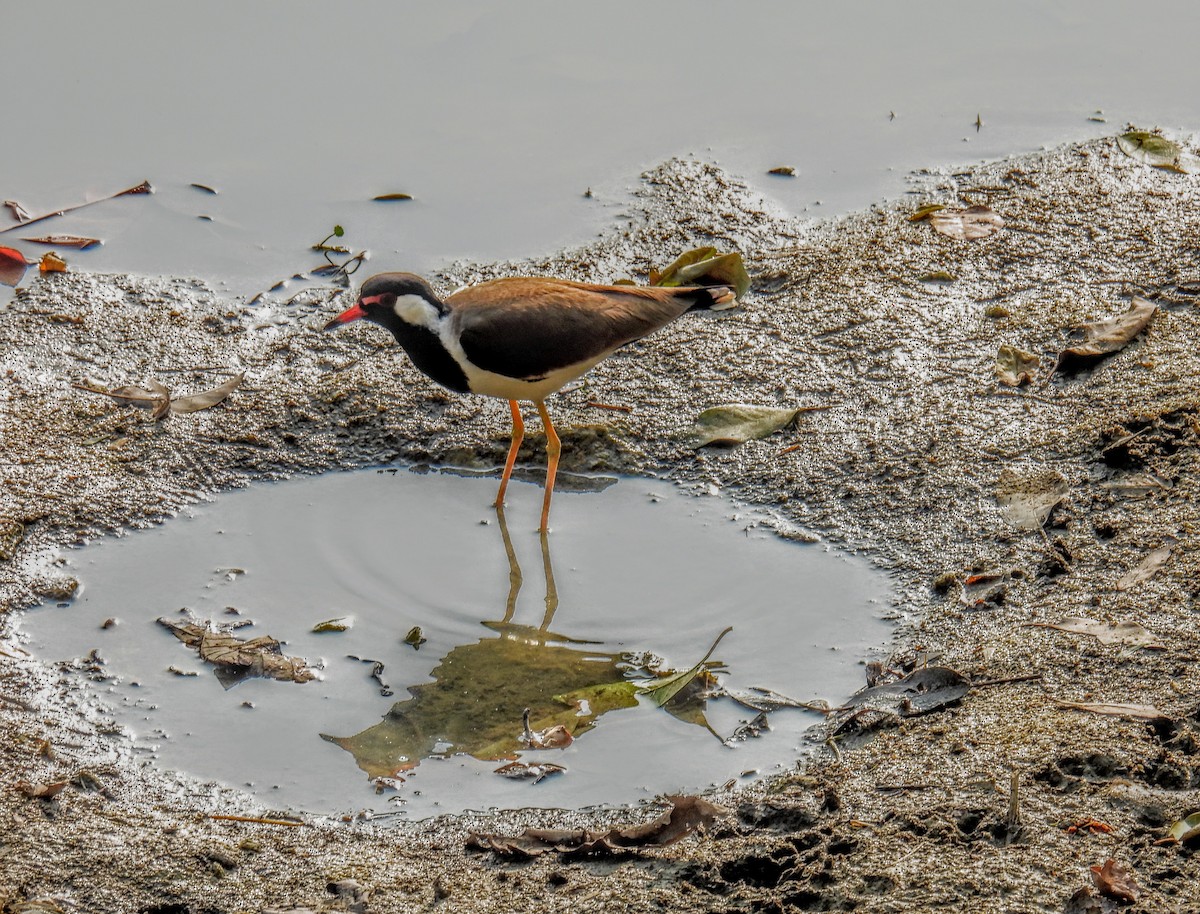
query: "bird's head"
388, 297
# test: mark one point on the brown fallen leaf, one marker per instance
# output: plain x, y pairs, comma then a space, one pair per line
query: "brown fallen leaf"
235, 659
536, 770
66, 241
1146, 568
685, 816
1105, 632
1116, 881
12, 266
1115, 709
1026, 500
392, 198
192, 403
969, 224
1015, 367
52, 263
41, 791
1100, 338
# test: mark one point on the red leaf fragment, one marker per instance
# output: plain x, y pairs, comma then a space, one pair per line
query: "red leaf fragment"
12, 266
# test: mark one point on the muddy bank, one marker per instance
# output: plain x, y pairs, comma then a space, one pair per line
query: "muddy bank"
895, 328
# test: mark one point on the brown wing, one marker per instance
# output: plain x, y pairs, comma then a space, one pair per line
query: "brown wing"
526, 328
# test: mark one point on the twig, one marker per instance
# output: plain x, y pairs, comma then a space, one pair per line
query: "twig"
257, 820
615, 407
143, 188
1032, 677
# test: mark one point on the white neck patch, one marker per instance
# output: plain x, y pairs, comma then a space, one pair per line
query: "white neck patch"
413, 309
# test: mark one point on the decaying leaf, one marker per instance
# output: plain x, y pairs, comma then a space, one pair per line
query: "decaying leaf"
705, 267
1116, 881
340, 624
1115, 709
1185, 829
12, 266
539, 771
52, 263
1155, 149
1026, 501
556, 736
686, 815
1015, 367
392, 198
415, 638
66, 241
1105, 632
783, 170
1107, 336
192, 403
662, 692
736, 423
1146, 568
236, 660
968, 224
922, 691
11, 534
41, 791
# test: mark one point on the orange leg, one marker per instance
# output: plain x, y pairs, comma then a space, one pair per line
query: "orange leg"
553, 449
518, 433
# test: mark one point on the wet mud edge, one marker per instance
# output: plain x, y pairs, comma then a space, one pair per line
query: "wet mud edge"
903, 466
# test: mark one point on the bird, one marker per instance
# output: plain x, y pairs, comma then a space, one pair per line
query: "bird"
520, 338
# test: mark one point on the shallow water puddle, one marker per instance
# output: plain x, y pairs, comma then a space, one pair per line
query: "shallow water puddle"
640, 572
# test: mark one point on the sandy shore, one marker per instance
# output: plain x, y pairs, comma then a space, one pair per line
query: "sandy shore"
896, 328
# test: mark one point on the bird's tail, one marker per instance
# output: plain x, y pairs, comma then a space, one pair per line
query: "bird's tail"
711, 298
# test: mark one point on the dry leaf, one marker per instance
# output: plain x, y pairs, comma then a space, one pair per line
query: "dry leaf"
1146, 569
685, 816
235, 659
12, 266
1015, 367
1026, 501
1116, 881
41, 791
1105, 632
1154, 149
969, 224
785, 170
1185, 829
195, 402
1106, 336
391, 198
737, 423
52, 263
66, 241
1115, 709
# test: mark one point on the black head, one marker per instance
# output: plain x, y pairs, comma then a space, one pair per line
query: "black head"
379, 295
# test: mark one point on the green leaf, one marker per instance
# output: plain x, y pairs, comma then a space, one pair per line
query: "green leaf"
705, 267
1155, 149
668, 688
1185, 829
737, 423
339, 231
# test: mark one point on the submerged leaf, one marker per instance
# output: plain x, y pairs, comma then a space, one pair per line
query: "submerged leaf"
391, 198
737, 423
969, 224
236, 660
1026, 501
12, 266
1015, 367
195, 402
667, 689
784, 170
1103, 337
1155, 149
340, 624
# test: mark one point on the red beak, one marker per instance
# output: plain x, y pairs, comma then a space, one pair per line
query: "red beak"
350, 314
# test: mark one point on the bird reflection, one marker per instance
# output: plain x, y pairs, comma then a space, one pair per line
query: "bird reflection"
475, 702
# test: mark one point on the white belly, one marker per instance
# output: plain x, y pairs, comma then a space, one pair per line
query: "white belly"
496, 385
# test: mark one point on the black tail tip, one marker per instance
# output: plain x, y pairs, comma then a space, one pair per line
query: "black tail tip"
715, 298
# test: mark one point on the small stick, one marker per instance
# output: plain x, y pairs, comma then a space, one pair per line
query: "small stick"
1032, 677
613, 406
143, 188
256, 820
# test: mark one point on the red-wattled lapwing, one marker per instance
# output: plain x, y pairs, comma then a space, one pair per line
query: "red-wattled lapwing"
521, 338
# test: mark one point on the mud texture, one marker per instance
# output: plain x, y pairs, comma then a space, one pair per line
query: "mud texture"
892, 326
